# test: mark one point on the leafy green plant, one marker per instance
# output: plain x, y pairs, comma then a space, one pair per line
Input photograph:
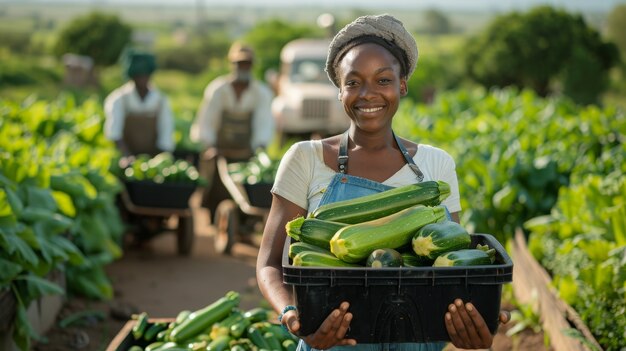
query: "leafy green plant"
58, 203
525, 317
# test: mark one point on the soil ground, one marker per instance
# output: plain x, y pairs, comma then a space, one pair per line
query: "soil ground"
154, 279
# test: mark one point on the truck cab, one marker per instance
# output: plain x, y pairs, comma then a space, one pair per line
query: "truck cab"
306, 102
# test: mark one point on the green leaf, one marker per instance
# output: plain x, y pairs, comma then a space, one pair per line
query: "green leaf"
5, 207
504, 198
64, 201
40, 286
74, 255
40, 198
23, 330
8, 271
568, 290
22, 249
14, 201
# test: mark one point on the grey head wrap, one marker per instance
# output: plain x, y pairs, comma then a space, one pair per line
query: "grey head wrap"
384, 26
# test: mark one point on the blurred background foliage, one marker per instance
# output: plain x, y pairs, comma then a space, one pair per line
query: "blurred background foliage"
549, 50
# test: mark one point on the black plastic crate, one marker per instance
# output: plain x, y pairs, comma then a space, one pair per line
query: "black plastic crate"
259, 194
404, 304
162, 195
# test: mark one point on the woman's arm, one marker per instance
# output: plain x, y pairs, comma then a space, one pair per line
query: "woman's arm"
270, 279
269, 261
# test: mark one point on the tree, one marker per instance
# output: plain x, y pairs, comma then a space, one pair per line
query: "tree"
537, 49
616, 27
435, 22
97, 35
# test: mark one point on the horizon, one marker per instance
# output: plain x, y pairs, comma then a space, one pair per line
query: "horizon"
481, 5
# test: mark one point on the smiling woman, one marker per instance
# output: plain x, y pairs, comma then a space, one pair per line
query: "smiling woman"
370, 61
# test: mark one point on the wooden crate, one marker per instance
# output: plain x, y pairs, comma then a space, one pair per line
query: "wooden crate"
124, 338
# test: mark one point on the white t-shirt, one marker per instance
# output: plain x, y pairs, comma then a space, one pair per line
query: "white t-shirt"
126, 99
303, 177
220, 96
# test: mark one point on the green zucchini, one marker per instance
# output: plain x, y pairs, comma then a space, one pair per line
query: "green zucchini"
219, 344
204, 318
298, 246
374, 206
318, 259
313, 231
256, 336
384, 258
410, 259
355, 242
141, 325
289, 345
465, 257
153, 346
223, 327
257, 314
239, 328
272, 341
435, 239
153, 330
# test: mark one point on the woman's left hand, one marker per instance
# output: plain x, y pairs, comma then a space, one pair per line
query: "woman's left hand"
467, 328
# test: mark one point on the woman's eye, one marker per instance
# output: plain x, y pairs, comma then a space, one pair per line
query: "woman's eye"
384, 81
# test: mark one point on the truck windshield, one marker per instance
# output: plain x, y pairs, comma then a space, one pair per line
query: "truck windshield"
309, 70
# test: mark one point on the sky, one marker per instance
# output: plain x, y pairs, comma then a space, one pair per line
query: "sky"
580, 5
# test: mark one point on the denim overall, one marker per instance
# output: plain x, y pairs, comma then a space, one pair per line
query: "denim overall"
344, 187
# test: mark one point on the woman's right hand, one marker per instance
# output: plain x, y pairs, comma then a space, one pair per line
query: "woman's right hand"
331, 333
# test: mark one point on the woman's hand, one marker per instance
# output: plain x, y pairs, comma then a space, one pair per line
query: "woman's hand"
467, 328
331, 333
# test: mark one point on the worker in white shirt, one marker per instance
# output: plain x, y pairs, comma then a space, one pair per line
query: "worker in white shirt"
138, 116
234, 119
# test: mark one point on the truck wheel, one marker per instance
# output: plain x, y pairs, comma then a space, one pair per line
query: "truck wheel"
227, 226
185, 235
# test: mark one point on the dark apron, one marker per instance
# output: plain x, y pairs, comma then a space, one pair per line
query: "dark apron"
233, 143
141, 131
233, 137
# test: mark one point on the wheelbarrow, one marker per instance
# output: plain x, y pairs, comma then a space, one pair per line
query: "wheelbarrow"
149, 202
237, 217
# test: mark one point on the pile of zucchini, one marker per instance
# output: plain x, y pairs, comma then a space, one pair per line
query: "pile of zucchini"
404, 226
219, 326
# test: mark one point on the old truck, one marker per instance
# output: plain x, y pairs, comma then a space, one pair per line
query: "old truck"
306, 102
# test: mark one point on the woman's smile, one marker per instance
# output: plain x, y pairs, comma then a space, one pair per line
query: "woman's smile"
369, 109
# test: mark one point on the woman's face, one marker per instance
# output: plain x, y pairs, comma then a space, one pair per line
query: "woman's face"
370, 85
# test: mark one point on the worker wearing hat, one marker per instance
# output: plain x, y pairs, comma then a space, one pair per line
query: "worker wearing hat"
138, 116
234, 118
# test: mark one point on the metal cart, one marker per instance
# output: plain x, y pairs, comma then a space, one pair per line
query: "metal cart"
138, 214
237, 217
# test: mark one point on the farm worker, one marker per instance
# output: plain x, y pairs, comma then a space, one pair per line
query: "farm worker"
138, 116
234, 119
370, 61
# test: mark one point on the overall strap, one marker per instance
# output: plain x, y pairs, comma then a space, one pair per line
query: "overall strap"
409, 159
342, 158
